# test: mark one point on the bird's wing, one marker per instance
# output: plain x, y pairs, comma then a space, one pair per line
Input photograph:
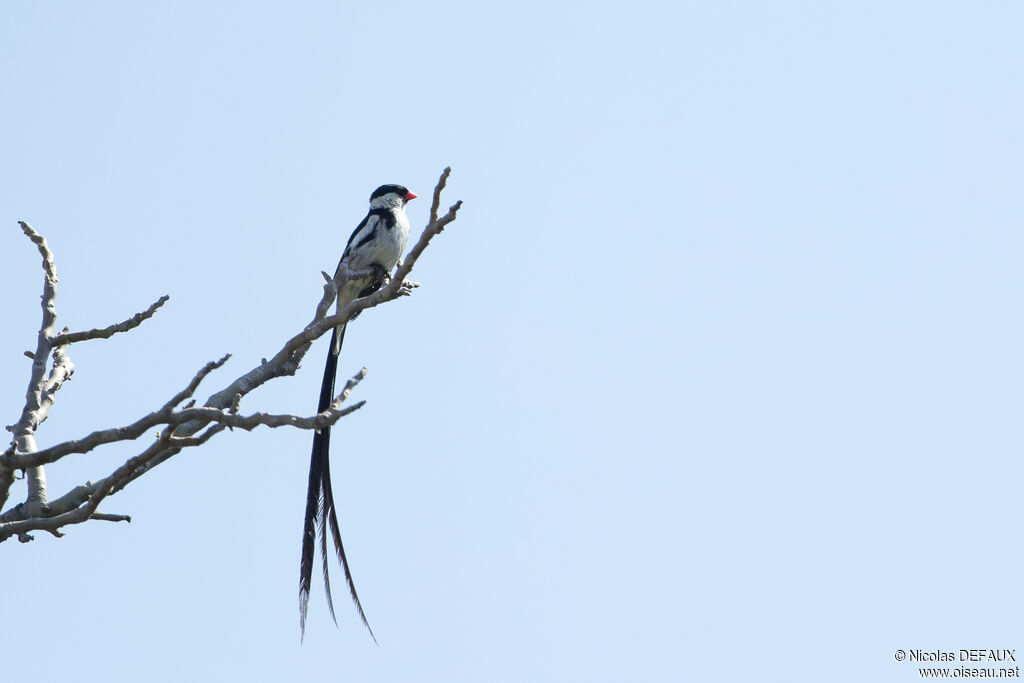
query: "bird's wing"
367, 229
360, 230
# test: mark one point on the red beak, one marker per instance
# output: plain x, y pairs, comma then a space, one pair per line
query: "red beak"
409, 195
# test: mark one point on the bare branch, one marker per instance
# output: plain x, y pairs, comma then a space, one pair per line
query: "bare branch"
190, 441
431, 231
189, 390
349, 386
249, 422
37, 399
92, 493
435, 203
184, 427
203, 416
61, 371
98, 438
42, 388
111, 518
330, 294
108, 332
80, 513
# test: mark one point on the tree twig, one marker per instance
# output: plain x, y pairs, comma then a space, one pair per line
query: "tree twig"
107, 332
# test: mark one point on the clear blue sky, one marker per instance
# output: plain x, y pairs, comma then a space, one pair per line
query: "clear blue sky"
717, 377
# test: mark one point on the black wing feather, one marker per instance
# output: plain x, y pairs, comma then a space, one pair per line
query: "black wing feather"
382, 215
362, 224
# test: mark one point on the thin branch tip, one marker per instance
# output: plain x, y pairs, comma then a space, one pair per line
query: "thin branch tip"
66, 337
106, 517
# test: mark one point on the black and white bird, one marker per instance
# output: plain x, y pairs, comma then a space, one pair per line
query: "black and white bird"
376, 245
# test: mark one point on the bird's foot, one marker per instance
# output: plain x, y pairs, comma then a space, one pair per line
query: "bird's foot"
380, 274
407, 287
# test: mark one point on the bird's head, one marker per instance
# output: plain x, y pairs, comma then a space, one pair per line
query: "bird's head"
390, 196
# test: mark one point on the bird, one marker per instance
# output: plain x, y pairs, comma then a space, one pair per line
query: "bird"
376, 245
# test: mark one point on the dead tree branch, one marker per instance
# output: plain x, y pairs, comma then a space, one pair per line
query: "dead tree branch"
108, 332
179, 427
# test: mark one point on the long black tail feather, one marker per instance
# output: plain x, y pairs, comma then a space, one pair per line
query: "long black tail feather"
322, 531
313, 514
332, 520
320, 509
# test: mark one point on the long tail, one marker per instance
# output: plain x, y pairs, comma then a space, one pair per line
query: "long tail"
320, 509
